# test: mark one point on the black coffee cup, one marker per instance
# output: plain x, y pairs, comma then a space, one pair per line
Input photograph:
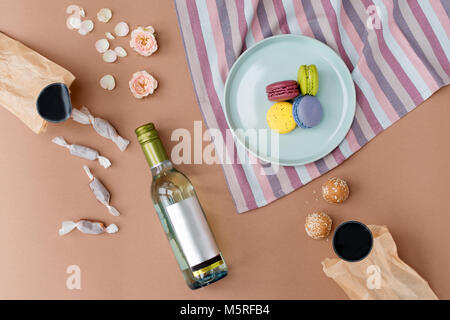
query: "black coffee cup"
53, 103
352, 241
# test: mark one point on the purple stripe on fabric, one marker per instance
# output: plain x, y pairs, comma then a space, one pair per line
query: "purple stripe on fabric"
243, 28
293, 177
281, 15
212, 95
226, 31
432, 38
273, 180
367, 110
338, 156
359, 135
263, 22
394, 64
373, 66
446, 5
332, 21
321, 166
403, 26
312, 20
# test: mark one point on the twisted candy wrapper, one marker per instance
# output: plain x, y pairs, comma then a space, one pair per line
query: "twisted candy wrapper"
100, 192
82, 152
102, 126
88, 227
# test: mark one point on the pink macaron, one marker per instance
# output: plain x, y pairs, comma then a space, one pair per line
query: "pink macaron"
282, 90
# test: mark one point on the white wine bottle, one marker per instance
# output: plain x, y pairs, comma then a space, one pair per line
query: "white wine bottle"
181, 215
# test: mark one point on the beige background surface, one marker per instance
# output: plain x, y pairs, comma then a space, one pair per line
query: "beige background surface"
400, 179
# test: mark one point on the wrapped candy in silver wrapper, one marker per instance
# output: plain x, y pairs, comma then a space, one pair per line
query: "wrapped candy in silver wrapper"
88, 227
82, 152
100, 192
102, 126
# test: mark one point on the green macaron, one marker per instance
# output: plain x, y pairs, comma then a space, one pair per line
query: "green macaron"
308, 79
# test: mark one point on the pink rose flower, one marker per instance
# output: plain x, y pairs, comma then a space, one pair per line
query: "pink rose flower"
143, 41
142, 84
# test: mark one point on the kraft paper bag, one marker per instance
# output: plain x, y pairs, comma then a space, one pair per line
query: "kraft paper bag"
23, 74
380, 276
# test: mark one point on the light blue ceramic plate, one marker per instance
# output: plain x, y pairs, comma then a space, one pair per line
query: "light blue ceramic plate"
275, 59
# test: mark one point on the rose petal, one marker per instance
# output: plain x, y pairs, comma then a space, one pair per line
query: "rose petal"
121, 29
120, 52
109, 56
149, 29
104, 15
74, 23
86, 27
107, 82
73, 8
102, 45
109, 36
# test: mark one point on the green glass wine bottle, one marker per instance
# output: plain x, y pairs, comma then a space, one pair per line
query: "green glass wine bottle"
181, 215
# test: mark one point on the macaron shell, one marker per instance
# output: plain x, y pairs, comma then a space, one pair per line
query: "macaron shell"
313, 80
282, 96
280, 119
281, 84
308, 78
307, 111
301, 78
283, 90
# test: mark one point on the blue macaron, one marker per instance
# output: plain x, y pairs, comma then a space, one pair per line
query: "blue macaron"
307, 111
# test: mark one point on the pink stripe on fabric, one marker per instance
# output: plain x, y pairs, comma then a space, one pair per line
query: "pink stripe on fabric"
281, 15
301, 19
218, 39
312, 170
255, 26
439, 10
367, 110
406, 47
332, 22
293, 177
352, 142
212, 95
243, 29
262, 179
431, 36
367, 73
338, 156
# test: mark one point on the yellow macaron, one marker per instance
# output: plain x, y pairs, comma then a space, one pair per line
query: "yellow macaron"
280, 119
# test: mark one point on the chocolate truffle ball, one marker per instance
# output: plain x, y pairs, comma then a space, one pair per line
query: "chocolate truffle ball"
318, 225
335, 190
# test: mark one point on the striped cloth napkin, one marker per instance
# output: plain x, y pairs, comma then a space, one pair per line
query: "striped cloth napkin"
397, 51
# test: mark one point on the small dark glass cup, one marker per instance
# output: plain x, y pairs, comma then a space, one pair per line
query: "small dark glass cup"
352, 241
53, 103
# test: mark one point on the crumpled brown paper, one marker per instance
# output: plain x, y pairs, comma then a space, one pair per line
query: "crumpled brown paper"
380, 276
23, 74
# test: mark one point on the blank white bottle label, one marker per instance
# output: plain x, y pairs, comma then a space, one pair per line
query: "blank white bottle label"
192, 231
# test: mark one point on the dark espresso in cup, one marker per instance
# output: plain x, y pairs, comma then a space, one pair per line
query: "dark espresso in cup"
53, 103
352, 241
